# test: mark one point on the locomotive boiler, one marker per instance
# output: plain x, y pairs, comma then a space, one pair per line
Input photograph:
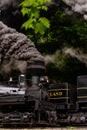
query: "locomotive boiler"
21, 104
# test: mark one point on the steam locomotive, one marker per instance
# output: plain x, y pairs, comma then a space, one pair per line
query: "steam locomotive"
43, 103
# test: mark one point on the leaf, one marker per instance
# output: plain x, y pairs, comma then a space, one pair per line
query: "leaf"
35, 12
25, 11
40, 28
28, 24
45, 21
47, 1
44, 8
40, 1
31, 2
25, 3
32, 9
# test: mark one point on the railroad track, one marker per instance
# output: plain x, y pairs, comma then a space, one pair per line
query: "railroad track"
48, 128
40, 129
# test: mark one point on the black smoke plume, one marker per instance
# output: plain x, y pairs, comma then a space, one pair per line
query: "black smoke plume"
16, 51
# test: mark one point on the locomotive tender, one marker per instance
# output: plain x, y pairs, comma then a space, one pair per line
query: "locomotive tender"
43, 103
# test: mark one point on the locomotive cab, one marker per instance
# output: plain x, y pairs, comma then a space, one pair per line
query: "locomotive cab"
59, 94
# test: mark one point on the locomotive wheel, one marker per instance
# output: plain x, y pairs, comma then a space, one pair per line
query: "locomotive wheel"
32, 121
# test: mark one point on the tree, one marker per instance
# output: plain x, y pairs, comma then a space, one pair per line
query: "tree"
66, 31
32, 10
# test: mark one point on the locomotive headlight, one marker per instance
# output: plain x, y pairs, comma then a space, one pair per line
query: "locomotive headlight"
25, 116
44, 79
47, 79
6, 117
10, 79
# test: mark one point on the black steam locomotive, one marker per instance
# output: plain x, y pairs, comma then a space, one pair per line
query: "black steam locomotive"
42, 103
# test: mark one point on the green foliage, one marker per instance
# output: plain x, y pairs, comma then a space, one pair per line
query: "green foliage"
65, 31
31, 9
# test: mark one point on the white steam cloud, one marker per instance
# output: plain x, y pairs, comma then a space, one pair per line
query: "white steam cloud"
60, 56
13, 64
76, 53
49, 59
79, 6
